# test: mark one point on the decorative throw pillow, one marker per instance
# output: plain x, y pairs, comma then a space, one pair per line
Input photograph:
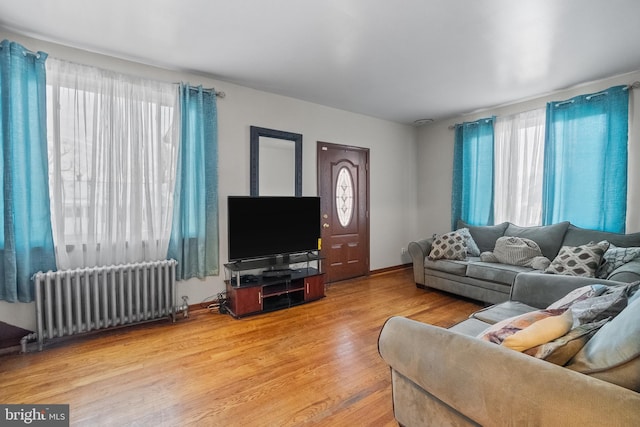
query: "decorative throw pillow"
561, 350
616, 257
513, 250
488, 257
578, 295
485, 236
448, 246
472, 247
607, 305
499, 331
581, 260
540, 263
540, 332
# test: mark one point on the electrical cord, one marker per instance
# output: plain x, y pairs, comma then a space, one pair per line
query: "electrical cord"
219, 304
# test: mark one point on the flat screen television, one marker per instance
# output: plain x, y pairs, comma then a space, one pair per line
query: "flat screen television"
263, 227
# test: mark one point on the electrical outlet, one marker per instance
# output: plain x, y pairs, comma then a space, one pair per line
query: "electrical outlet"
403, 251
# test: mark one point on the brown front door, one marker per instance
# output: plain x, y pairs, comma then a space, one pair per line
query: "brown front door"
343, 185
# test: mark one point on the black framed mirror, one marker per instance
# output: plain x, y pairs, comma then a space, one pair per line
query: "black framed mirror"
275, 162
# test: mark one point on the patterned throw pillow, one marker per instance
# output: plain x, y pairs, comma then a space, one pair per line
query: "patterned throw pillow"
581, 260
607, 305
580, 294
448, 246
472, 247
616, 257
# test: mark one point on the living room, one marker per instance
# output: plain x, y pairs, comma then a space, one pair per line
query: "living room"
402, 156
411, 167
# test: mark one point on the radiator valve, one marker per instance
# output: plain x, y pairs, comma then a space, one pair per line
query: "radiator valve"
185, 306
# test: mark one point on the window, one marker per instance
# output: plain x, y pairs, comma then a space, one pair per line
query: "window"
113, 143
519, 155
565, 163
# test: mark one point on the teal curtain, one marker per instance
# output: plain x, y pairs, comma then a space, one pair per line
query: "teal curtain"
473, 164
585, 166
194, 236
26, 239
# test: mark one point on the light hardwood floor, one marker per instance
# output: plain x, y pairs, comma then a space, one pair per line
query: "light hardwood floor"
315, 364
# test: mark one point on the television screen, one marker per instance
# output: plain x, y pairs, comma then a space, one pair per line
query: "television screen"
261, 227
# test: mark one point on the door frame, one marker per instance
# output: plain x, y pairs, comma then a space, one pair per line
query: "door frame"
365, 151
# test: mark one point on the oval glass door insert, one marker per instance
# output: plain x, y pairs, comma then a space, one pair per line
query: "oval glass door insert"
344, 196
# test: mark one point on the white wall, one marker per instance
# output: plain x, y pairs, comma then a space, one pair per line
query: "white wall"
393, 154
435, 155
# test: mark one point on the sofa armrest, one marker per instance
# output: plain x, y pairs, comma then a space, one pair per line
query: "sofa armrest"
493, 385
539, 289
629, 272
419, 251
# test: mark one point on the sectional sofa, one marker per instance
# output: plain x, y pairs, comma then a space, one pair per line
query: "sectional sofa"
455, 377
491, 282
586, 373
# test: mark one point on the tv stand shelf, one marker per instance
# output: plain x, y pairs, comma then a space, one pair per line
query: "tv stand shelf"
249, 294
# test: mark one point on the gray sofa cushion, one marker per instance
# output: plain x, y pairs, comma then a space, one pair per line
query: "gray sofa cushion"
501, 273
548, 237
629, 272
471, 327
576, 236
448, 265
485, 236
541, 289
505, 310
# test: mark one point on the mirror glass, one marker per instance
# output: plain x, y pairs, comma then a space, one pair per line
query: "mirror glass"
276, 171
276, 163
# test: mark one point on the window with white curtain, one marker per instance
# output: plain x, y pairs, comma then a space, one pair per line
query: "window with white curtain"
113, 144
519, 167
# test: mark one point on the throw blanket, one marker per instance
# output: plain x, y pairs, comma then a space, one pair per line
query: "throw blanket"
517, 251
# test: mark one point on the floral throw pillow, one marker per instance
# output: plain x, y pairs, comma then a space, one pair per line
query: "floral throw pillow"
583, 260
448, 246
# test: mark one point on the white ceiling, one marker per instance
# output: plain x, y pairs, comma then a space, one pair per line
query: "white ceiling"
400, 60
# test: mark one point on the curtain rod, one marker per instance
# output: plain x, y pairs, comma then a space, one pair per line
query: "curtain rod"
26, 52
219, 94
634, 85
475, 122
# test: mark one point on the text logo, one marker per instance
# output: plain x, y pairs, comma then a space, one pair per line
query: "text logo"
34, 415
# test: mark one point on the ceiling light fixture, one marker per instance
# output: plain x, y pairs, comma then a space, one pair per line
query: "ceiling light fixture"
421, 122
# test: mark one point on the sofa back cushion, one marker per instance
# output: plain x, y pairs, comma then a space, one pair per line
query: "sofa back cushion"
548, 237
576, 236
485, 236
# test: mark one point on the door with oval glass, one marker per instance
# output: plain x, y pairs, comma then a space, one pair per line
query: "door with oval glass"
343, 185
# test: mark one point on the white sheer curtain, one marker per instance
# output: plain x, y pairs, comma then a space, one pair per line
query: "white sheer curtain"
519, 163
113, 144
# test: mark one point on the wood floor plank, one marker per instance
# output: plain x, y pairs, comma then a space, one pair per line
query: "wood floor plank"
314, 364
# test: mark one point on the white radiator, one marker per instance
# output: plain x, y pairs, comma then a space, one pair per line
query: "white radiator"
81, 300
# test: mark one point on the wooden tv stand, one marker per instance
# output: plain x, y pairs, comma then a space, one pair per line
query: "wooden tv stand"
249, 294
